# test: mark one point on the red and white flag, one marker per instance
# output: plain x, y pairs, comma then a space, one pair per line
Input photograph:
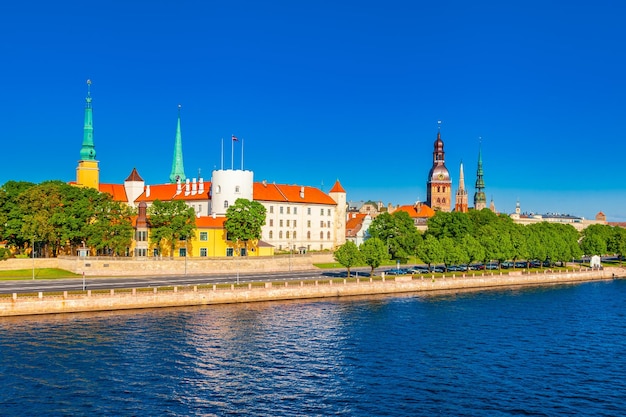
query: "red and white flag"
235, 138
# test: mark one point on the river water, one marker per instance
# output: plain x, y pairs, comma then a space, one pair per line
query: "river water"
541, 351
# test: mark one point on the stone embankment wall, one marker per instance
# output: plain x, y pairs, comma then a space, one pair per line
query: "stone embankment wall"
16, 304
105, 266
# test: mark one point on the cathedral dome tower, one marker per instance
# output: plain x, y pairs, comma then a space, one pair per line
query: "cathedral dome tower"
439, 185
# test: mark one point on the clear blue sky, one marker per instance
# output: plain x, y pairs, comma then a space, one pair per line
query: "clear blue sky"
326, 90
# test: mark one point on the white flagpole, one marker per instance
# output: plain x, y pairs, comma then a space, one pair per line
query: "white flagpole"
222, 166
242, 154
232, 152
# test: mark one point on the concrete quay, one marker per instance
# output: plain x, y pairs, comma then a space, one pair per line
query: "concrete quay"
42, 303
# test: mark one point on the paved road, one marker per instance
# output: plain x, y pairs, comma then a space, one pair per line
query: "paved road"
70, 284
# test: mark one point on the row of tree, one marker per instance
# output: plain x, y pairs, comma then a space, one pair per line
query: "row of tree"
478, 236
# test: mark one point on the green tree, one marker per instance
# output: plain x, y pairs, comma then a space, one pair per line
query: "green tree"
534, 243
374, 253
617, 243
111, 228
398, 232
430, 251
42, 208
170, 222
244, 220
348, 255
453, 254
473, 249
11, 214
454, 225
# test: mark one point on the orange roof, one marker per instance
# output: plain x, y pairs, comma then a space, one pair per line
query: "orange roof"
117, 191
210, 222
354, 223
167, 192
337, 188
290, 194
417, 210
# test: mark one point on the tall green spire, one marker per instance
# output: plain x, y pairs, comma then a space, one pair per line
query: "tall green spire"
88, 150
178, 171
480, 199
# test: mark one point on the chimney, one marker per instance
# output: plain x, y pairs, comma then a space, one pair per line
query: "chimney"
179, 187
187, 190
201, 186
194, 187
301, 192
264, 183
148, 190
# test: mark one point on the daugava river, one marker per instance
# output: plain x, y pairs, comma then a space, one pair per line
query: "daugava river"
542, 351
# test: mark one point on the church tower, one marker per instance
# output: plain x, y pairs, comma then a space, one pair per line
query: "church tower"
87, 172
461, 194
338, 194
178, 171
480, 199
439, 185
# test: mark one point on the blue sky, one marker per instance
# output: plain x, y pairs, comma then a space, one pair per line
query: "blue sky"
326, 90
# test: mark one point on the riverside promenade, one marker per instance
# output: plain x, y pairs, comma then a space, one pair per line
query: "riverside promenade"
197, 295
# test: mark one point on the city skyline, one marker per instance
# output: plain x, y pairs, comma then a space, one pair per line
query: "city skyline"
319, 92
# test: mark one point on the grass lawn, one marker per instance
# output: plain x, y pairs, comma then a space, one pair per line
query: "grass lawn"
40, 273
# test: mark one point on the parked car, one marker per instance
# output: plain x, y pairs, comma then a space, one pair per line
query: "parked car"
491, 266
477, 267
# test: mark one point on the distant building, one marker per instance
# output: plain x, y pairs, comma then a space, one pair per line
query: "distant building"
419, 213
579, 223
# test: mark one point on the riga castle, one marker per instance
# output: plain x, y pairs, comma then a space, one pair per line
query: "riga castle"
298, 218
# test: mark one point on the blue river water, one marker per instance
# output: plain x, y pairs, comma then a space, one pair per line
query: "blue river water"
541, 351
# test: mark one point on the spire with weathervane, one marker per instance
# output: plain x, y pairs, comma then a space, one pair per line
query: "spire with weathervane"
480, 199
88, 150
87, 172
178, 171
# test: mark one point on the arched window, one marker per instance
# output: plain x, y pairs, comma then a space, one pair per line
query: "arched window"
294, 234
438, 189
225, 204
443, 200
308, 235
287, 234
219, 189
271, 234
328, 235
280, 234
321, 235
439, 200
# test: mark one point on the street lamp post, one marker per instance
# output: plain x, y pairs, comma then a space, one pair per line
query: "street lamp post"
32, 255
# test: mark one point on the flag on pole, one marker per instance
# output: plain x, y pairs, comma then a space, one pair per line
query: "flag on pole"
235, 138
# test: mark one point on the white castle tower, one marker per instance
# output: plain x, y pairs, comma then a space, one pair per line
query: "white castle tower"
227, 185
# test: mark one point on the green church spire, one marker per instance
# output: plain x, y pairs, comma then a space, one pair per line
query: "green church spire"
480, 199
178, 171
88, 150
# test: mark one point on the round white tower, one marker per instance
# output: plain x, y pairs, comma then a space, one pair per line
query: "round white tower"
227, 185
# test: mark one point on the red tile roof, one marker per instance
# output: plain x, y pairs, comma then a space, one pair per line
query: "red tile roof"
417, 211
167, 192
354, 223
117, 191
290, 193
337, 188
208, 222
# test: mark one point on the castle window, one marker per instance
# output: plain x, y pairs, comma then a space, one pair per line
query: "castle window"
271, 234
204, 236
308, 223
280, 222
294, 223
321, 235
271, 222
280, 209
237, 189
308, 210
438, 189
280, 234
439, 200
295, 210
328, 212
308, 235
203, 252
219, 189
321, 223
328, 235
443, 200
321, 212
294, 234
271, 209
288, 210
287, 234
225, 204
229, 251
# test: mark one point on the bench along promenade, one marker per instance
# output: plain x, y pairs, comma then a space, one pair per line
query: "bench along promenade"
17, 304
